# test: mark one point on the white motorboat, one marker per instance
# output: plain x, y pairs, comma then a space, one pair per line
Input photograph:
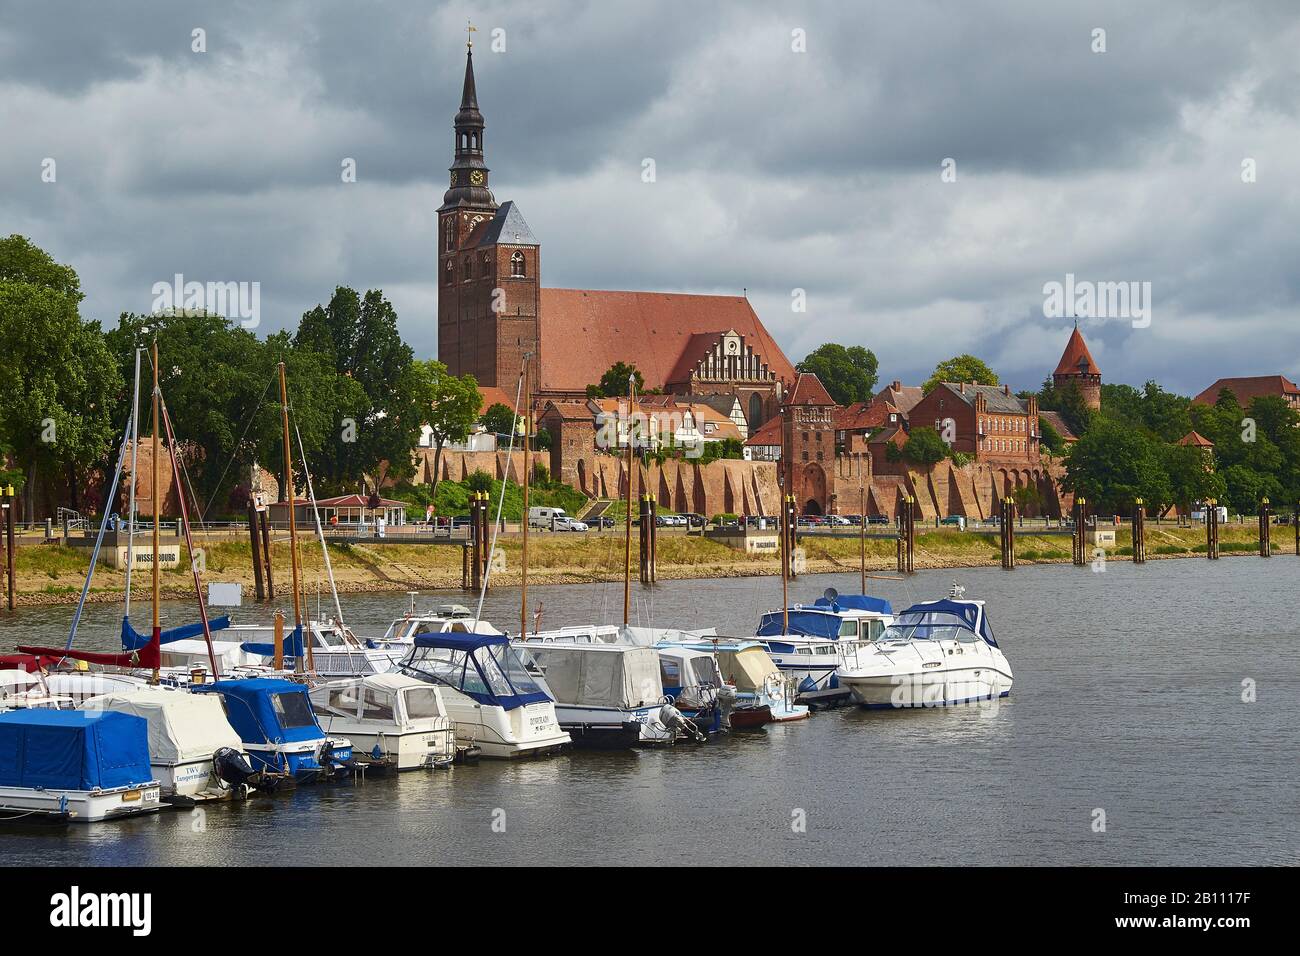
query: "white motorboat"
392, 717
934, 654
194, 752
763, 694
489, 694
608, 695
74, 766
810, 643
442, 619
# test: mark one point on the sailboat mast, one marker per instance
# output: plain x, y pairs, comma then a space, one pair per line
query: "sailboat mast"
782, 519
293, 526
627, 540
523, 594
862, 540
157, 622
135, 479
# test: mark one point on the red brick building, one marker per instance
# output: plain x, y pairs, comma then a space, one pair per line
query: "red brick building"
808, 422
492, 308
1256, 386
987, 422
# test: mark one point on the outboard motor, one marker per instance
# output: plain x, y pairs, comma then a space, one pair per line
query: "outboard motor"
232, 769
331, 765
676, 721
726, 704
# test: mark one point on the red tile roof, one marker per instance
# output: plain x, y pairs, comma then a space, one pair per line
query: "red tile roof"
864, 416
492, 395
809, 390
1197, 439
1250, 387
903, 397
651, 330
1075, 350
769, 434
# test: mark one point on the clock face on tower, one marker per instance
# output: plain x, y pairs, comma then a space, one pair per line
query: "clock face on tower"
476, 177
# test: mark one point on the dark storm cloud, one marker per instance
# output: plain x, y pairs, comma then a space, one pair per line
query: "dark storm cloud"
776, 170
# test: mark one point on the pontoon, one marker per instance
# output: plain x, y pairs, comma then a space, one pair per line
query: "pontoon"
493, 701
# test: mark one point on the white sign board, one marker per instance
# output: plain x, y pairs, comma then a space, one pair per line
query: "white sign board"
225, 595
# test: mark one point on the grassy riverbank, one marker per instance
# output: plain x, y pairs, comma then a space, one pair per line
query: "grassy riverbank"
52, 574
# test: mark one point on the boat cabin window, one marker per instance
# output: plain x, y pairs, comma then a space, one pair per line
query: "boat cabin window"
509, 662
293, 710
704, 670
377, 705
848, 628
804, 649
875, 628
330, 637
458, 628
670, 672
344, 701
440, 663
929, 626
421, 702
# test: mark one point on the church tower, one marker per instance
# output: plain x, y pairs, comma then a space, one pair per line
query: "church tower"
487, 263
1077, 367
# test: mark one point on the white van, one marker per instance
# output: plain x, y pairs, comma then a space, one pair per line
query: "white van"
546, 517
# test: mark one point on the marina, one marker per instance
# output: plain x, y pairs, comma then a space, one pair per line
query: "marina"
1136, 707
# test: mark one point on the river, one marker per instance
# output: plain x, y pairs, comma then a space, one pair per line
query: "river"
1128, 701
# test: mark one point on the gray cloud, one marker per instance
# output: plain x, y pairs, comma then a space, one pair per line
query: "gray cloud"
776, 170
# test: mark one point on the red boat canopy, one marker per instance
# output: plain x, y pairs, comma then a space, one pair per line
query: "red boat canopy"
26, 662
149, 656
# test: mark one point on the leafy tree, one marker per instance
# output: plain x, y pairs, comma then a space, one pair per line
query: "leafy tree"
57, 381
613, 384
961, 368
450, 405
499, 419
1113, 464
1191, 476
925, 446
849, 374
1051, 438
1069, 402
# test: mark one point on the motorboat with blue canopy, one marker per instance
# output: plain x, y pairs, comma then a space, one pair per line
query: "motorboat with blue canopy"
275, 721
75, 766
810, 643
493, 700
935, 653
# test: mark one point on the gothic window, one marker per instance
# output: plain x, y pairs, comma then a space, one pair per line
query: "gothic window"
487, 265
469, 269
448, 230
447, 273
517, 265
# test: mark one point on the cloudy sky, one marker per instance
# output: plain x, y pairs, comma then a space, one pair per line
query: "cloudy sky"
776, 169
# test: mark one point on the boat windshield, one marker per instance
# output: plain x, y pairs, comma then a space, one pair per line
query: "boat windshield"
293, 710
443, 664
506, 661
928, 626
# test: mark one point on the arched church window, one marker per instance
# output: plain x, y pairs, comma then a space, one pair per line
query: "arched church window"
517, 265
447, 273
448, 231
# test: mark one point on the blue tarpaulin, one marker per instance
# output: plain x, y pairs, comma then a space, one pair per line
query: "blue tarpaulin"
293, 646
267, 710
821, 618
133, 640
73, 749
856, 602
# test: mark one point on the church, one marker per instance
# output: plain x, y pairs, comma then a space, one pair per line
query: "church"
493, 309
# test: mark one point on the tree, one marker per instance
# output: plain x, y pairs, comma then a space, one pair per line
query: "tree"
1191, 477
925, 446
499, 419
450, 405
849, 374
1051, 438
1113, 464
961, 368
57, 380
613, 384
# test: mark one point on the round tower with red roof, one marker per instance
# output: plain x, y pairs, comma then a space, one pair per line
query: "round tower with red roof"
1077, 368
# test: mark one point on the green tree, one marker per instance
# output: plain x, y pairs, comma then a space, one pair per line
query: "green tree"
849, 374
450, 405
1051, 438
961, 368
925, 446
57, 381
613, 384
1190, 480
1113, 464
499, 419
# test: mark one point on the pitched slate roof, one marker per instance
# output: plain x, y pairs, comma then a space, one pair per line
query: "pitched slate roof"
1076, 351
585, 331
996, 399
508, 227
903, 397
1249, 387
1058, 423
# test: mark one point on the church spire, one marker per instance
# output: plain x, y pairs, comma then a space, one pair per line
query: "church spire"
469, 174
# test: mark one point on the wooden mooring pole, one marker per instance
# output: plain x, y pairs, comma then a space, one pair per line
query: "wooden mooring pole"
907, 536
791, 535
654, 538
10, 506
1007, 521
1265, 530
1080, 517
1139, 532
1212, 530
255, 551
643, 539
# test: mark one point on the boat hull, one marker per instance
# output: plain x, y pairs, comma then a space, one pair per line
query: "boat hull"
935, 688
81, 806
529, 731
410, 750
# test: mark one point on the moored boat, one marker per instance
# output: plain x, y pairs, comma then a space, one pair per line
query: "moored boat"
389, 717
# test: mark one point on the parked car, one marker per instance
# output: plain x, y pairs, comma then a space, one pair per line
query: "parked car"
958, 520
877, 519
565, 523
601, 521
838, 521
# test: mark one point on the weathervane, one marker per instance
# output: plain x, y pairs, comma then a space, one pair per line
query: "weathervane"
470, 30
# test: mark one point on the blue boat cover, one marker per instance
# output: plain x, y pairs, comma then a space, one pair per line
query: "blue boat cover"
267, 709
967, 612
491, 671
133, 640
856, 602
293, 646
73, 749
